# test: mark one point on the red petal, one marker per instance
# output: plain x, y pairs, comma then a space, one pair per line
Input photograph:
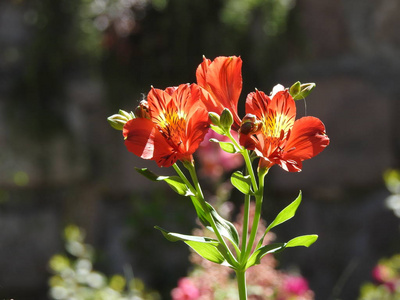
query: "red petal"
257, 103
222, 78
139, 137
158, 101
307, 139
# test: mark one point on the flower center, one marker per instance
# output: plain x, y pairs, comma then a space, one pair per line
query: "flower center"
274, 124
172, 125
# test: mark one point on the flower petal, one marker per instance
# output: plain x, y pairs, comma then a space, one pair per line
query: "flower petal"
139, 137
222, 78
306, 140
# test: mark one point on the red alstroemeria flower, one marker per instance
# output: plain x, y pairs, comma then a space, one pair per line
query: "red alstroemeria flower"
269, 128
169, 126
222, 79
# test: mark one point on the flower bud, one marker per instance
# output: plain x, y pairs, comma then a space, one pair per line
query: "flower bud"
226, 119
300, 91
142, 111
118, 121
250, 125
214, 117
295, 89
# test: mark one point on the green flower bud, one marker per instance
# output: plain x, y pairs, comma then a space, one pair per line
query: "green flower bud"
118, 121
301, 91
226, 119
295, 89
214, 117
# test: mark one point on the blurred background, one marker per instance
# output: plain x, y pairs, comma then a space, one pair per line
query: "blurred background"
66, 65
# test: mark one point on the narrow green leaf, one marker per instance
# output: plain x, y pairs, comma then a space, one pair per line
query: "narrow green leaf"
204, 246
150, 175
226, 146
175, 182
241, 182
224, 227
218, 129
303, 240
255, 258
174, 237
287, 213
207, 251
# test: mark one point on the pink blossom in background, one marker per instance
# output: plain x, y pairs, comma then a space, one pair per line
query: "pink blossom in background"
296, 285
185, 290
213, 160
381, 273
384, 274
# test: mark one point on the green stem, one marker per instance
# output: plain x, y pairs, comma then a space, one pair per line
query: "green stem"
241, 281
257, 215
245, 227
183, 177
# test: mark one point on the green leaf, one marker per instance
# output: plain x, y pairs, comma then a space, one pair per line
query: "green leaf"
303, 240
150, 175
175, 182
241, 182
226, 146
255, 258
207, 251
218, 129
174, 237
287, 213
225, 228
204, 246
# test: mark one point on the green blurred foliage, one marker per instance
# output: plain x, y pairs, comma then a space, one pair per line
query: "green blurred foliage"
75, 278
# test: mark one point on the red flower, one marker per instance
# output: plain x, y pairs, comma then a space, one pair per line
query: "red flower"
222, 78
170, 127
270, 129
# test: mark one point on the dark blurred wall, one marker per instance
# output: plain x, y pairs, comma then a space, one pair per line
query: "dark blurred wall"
60, 78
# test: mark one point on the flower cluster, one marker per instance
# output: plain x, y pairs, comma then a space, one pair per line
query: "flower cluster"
170, 125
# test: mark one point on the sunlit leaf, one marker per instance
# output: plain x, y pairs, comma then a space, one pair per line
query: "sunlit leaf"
207, 251
218, 129
241, 182
224, 227
255, 258
175, 182
303, 240
204, 246
226, 146
287, 213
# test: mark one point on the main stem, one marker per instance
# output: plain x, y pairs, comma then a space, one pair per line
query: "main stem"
241, 281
